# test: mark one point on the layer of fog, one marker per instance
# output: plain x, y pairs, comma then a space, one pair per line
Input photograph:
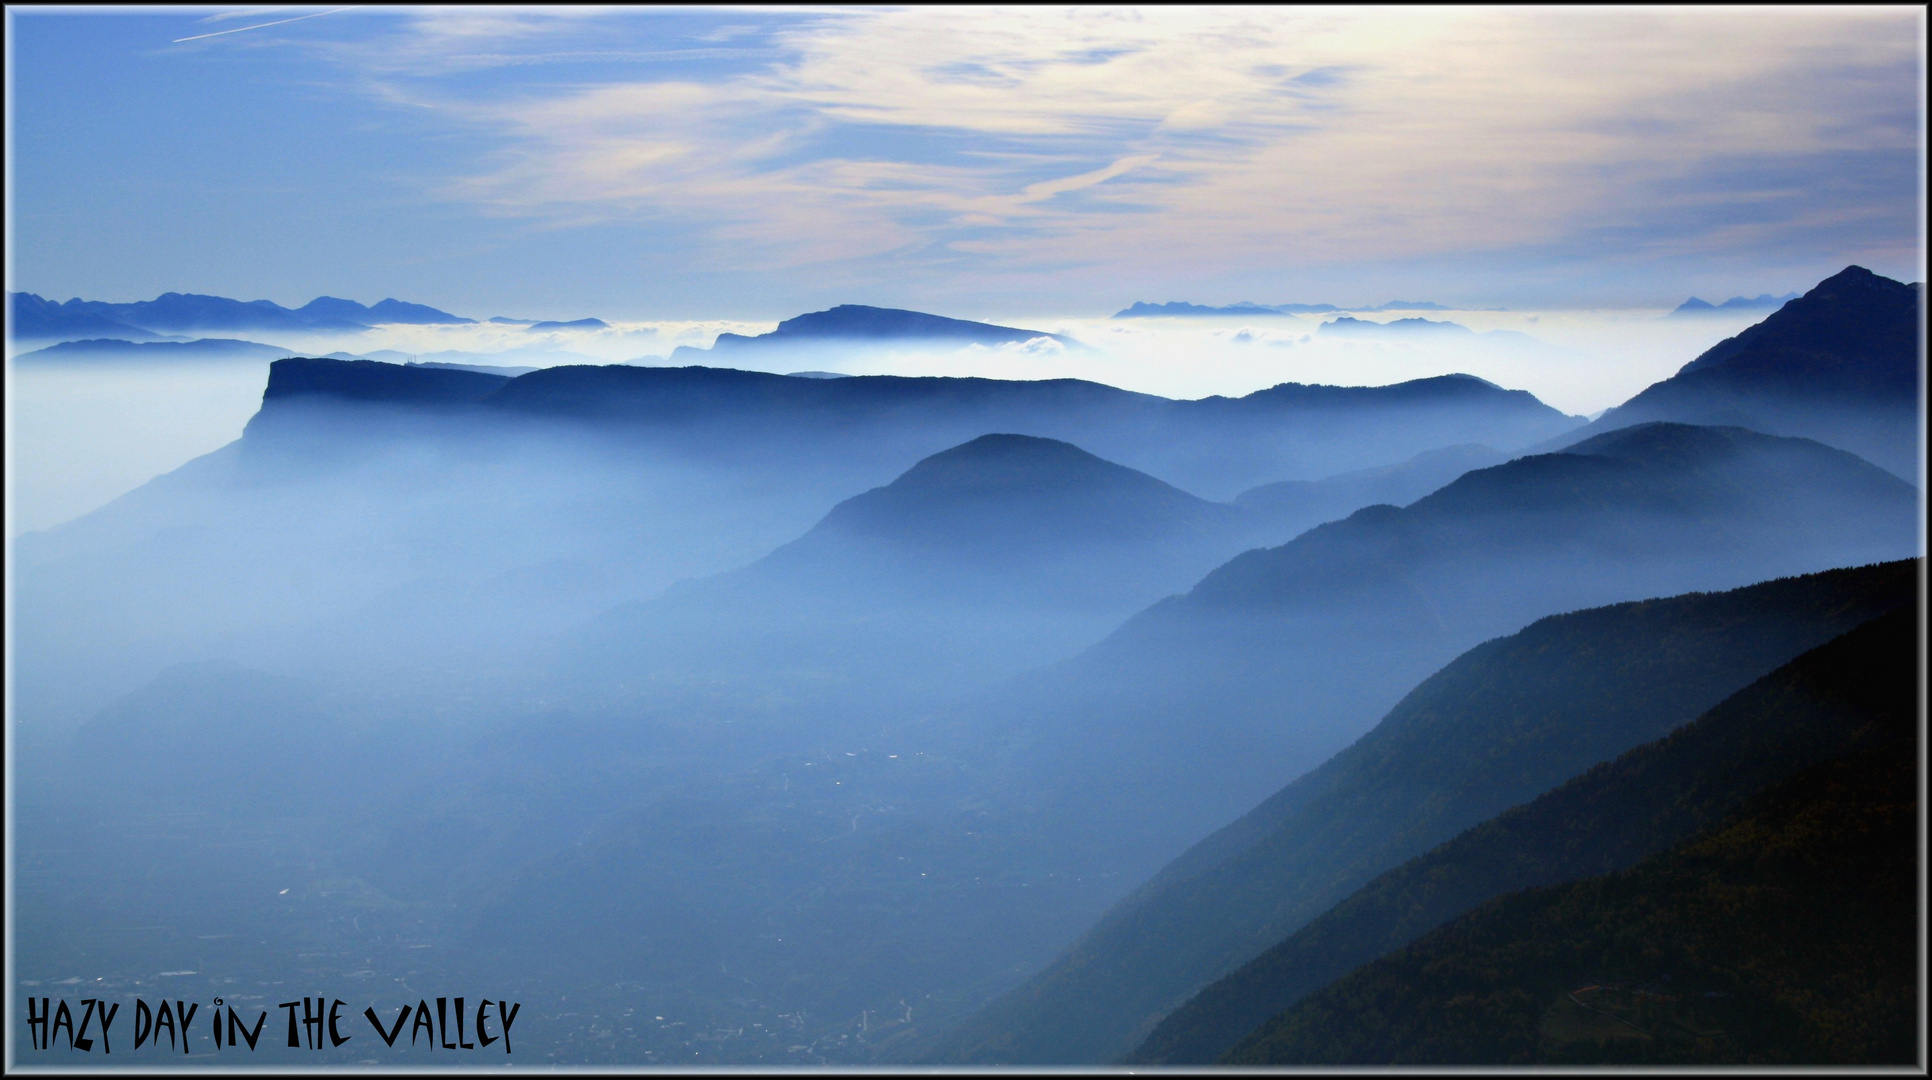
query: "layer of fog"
82, 434
1579, 361
420, 664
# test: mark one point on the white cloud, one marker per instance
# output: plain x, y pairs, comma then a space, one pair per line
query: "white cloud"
1095, 138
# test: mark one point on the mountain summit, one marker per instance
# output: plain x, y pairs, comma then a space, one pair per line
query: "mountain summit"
1840, 364
974, 564
1001, 493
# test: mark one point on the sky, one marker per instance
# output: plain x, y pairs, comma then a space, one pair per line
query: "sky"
749, 164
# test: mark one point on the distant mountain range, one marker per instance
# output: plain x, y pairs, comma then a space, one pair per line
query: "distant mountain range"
574, 324
173, 313
1839, 364
36, 319
115, 350
1344, 326
1143, 309
1214, 446
1774, 936
1347, 325
542, 324
856, 325
1735, 305
112, 349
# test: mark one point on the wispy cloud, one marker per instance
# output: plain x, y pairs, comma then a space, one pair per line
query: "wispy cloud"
256, 26
1106, 137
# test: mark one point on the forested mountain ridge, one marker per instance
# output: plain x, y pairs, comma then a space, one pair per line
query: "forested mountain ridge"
1504, 722
1605, 819
1776, 936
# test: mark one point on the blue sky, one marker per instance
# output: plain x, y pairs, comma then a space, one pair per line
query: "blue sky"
747, 163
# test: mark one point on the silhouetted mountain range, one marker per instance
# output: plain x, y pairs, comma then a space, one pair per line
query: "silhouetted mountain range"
146, 351
1287, 653
856, 325
574, 324
1359, 327
1214, 446
1607, 693
700, 470
172, 313
1418, 328
1839, 364
382, 311
1143, 309
1777, 936
1736, 304
37, 319
1501, 724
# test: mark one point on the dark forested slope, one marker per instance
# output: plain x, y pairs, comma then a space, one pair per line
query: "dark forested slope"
1199, 707
1785, 934
1504, 722
1820, 705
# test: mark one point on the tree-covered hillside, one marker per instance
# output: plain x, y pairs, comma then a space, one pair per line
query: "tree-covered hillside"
1503, 723
1778, 936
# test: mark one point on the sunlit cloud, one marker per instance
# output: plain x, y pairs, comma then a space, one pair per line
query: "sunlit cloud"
1096, 153
1209, 135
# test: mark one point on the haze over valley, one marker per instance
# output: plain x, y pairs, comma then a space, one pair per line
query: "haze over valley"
799, 558
114, 411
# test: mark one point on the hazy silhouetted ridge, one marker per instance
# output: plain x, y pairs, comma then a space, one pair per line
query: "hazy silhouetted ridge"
373, 381
995, 485
858, 322
1839, 364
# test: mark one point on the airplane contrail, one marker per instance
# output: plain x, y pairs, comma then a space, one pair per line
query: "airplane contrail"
258, 26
